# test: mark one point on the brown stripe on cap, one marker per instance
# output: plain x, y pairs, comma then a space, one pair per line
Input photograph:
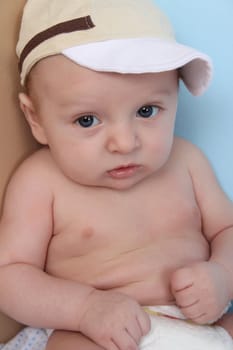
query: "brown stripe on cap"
82, 23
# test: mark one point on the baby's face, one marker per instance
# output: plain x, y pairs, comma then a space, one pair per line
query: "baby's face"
105, 129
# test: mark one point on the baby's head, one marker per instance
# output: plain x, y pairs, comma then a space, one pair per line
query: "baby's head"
91, 67
122, 36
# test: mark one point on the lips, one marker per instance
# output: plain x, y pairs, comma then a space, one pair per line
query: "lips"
124, 171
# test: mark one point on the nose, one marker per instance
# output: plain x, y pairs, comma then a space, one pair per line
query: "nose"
122, 138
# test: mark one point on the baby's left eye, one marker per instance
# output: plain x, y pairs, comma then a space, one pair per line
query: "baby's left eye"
148, 111
87, 121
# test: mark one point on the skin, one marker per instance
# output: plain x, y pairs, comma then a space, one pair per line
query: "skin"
107, 218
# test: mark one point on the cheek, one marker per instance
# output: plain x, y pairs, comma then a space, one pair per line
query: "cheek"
160, 147
159, 144
74, 158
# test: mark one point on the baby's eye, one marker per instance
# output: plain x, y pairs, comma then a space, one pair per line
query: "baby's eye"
148, 111
87, 121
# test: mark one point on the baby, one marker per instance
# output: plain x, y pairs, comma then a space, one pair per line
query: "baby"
115, 234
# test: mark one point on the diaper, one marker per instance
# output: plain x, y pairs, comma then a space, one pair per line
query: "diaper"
171, 331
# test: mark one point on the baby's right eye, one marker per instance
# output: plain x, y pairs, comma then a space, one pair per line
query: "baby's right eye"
87, 121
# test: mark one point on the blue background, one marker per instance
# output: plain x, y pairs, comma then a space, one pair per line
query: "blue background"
207, 121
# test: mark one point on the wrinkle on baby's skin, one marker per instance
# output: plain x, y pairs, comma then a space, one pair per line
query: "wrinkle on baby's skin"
126, 252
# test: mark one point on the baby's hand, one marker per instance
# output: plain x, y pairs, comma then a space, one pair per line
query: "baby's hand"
201, 291
114, 321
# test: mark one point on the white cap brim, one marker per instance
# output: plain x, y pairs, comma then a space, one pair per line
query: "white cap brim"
145, 55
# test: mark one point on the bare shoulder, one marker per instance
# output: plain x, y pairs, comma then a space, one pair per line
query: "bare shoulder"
190, 156
35, 168
39, 161
186, 150
31, 181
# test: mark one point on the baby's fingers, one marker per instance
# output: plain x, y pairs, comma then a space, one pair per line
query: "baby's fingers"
124, 341
143, 322
193, 312
134, 330
181, 280
186, 297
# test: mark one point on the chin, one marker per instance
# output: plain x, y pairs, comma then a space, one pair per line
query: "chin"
124, 185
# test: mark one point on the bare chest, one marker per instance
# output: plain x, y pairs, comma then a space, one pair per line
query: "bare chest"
92, 221
110, 240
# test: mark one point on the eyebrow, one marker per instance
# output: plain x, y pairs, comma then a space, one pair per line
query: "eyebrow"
160, 93
167, 92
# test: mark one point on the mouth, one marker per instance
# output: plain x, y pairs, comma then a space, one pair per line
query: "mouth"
124, 171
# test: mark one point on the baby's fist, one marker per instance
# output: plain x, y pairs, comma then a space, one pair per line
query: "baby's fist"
201, 291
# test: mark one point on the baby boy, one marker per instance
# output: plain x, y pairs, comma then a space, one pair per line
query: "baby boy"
115, 234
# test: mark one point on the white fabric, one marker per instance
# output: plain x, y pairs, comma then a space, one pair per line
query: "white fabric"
145, 55
28, 339
177, 334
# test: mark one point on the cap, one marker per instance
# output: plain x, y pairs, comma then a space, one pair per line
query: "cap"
122, 36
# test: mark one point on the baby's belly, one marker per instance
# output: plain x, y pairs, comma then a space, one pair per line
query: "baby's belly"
143, 273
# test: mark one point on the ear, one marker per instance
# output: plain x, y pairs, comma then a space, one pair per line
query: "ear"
29, 110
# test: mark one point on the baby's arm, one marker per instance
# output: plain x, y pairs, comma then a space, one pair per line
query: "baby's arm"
28, 294
203, 290
33, 297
